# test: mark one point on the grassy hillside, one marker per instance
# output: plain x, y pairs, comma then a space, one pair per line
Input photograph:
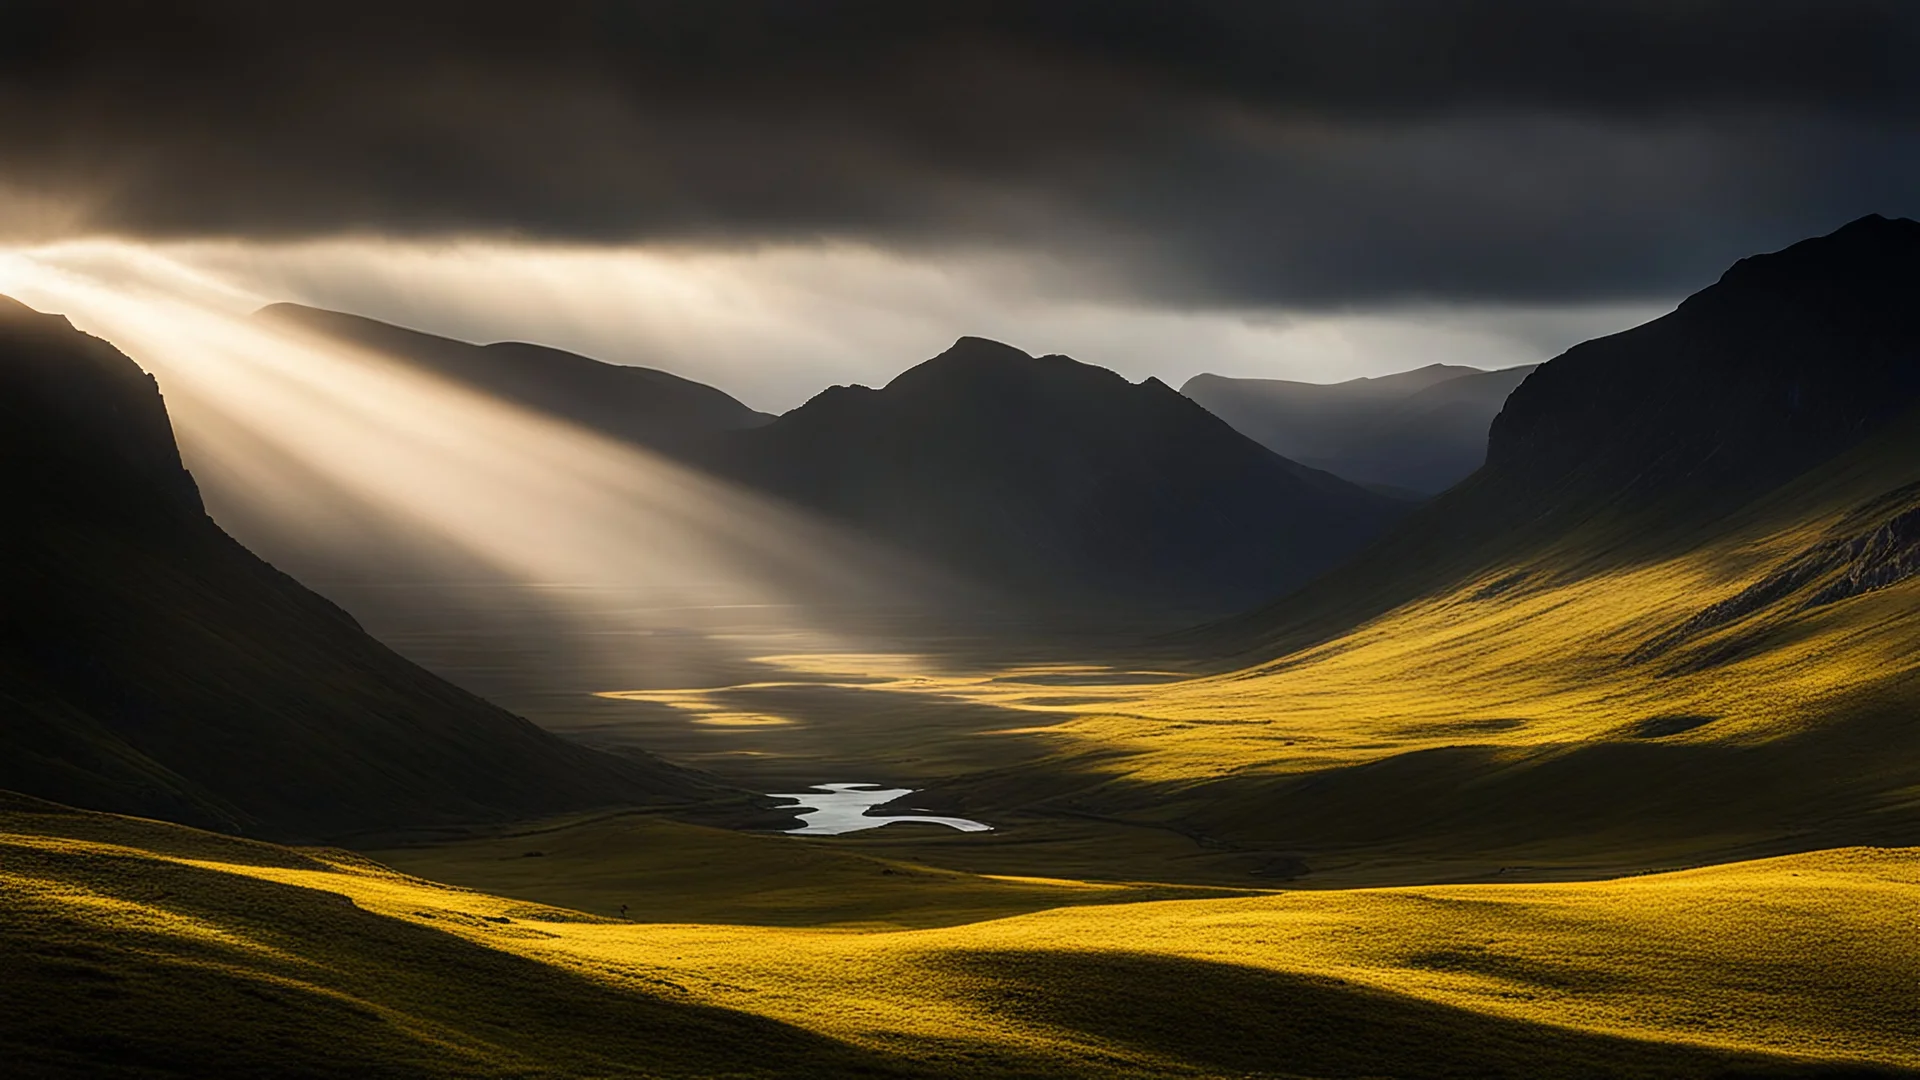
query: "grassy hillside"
142, 949
669, 871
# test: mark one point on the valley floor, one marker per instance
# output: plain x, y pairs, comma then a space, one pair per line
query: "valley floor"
159, 950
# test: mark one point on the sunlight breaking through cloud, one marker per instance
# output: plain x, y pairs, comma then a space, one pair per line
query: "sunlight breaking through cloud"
301, 440
775, 324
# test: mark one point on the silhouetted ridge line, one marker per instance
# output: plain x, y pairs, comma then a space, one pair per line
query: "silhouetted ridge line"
1057, 480
1788, 359
641, 405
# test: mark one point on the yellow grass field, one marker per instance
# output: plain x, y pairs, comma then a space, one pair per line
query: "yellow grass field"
1764, 964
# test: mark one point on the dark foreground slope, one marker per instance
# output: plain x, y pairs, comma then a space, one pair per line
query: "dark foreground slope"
1054, 478
1643, 442
150, 664
1422, 430
641, 405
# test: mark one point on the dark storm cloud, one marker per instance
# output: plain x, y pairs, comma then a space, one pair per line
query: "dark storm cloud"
1203, 152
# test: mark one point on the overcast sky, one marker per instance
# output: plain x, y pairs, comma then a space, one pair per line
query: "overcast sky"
777, 195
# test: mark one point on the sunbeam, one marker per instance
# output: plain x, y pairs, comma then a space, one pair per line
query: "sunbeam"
329, 457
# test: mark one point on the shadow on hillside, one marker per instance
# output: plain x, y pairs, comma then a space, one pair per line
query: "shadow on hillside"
1595, 808
1217, 1018
299, 982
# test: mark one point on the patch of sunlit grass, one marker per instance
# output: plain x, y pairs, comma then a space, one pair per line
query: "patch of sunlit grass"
1525, 655
1809, 956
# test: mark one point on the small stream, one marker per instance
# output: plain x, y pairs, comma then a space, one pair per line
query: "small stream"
832, 809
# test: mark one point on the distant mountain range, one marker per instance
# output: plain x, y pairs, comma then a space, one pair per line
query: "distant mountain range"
1419, 431
1040, 478
151, 665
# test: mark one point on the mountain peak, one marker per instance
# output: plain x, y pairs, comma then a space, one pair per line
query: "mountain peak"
968, 347
1051, 478
1861, 261
976, 364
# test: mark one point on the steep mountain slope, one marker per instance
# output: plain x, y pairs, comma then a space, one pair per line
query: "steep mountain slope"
641, 405
1639, 444
150, 664
1421, 431
1056, 478
1789, 359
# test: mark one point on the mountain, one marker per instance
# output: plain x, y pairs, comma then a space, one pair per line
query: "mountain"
1057, 479
1789, 359
1627, 445
1421, 431
1671, 621
637, 404
149, 664
1047, 478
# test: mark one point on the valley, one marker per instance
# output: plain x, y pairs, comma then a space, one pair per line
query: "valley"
1601, 761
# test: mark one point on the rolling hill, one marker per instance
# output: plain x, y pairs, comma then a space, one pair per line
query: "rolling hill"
142, 949
150, 664
1051, 478
1420, 431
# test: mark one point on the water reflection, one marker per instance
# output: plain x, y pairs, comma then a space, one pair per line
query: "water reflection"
832, 809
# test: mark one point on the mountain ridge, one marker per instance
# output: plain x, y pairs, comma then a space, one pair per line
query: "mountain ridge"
1047, 474
644, 405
